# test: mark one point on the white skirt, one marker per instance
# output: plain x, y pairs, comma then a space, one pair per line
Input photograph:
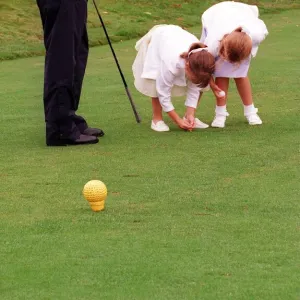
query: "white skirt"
229, 70
148, 86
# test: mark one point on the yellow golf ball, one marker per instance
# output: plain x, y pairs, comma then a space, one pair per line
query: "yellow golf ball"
95, 192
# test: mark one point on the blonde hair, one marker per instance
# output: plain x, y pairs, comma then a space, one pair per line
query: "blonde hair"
200, 65
235, 46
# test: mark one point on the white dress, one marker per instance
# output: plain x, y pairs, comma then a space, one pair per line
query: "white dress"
223, 18
158, 69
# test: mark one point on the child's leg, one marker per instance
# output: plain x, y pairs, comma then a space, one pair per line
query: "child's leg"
223, 84
244, 88
221, 111
157, 119
157, 110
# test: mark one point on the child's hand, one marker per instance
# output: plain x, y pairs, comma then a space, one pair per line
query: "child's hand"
190, 116
219, 94
191, 120
184, 124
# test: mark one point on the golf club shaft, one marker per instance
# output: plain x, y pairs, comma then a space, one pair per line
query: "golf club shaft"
137, 117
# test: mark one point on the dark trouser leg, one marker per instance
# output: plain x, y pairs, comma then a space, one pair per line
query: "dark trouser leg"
62, 23
81, 62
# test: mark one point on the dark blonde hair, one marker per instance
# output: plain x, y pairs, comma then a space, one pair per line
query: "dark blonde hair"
200, 65
235, 46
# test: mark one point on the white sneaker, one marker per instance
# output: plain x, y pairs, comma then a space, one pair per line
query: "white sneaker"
199, 124
160, 126
254, 119
219, 120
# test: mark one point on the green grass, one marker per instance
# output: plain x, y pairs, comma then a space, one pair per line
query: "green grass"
21, 34
202, 215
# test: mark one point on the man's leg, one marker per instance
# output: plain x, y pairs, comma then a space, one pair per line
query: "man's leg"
59, 18
58, 39
81, 62
81, 56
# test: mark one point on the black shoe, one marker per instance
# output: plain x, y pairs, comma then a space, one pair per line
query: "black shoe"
93, 132
83, 139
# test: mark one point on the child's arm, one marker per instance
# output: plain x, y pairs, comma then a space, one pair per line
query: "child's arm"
191, 103
184, 124
190, 115
164, 84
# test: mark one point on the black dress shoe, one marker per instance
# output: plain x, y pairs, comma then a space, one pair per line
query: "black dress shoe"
83, 139
93, 132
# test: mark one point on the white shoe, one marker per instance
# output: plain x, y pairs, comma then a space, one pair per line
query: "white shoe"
160, 126
253, 118
199, 124
219, 120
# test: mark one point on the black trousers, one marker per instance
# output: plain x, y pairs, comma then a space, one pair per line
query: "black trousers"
66, 43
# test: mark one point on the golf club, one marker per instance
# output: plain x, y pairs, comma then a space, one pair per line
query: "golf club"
137, 117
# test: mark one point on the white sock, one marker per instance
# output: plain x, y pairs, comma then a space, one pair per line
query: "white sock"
221, 110
249, 109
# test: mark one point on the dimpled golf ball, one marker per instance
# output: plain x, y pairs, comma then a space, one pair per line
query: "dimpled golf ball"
95, 192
